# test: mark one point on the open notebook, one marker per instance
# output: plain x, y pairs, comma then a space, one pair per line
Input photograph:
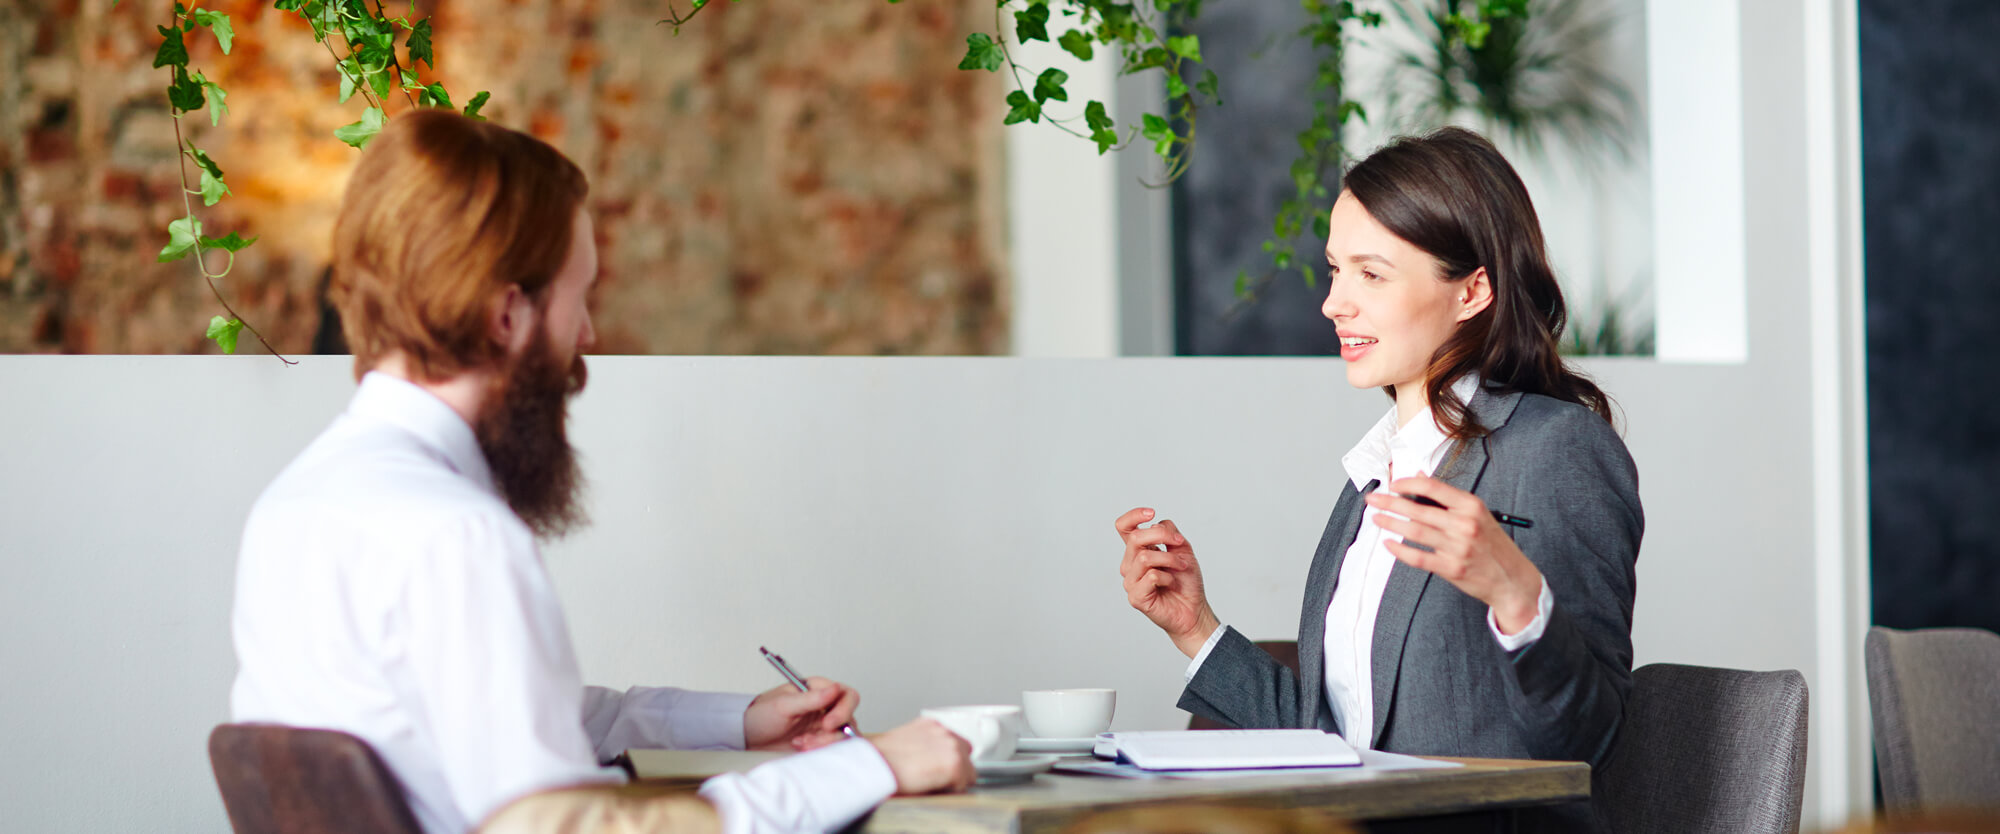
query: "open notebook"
1227, 749
691, 765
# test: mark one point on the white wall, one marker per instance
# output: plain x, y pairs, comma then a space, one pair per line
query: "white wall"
932, 530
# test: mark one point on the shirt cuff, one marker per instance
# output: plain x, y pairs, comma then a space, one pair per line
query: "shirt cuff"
1545, 602
1195, 664
823, 790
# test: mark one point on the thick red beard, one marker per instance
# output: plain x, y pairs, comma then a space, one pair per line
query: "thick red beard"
524, 433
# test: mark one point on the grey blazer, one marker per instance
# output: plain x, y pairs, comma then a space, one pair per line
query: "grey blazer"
1442, 684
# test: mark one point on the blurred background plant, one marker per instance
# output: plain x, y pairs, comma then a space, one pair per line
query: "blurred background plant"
1536, 80
1538, 84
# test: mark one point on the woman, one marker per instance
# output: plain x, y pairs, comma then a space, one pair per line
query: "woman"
1437, 629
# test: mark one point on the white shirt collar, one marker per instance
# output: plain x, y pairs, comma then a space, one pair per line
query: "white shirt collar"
405, 405
1410, 448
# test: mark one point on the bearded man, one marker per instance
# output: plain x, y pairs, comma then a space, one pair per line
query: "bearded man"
390, 583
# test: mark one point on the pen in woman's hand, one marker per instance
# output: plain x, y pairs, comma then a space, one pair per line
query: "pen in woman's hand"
1503, 518
786, 670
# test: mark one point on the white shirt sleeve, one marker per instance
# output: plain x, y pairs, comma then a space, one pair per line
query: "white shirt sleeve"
495, 680
1545, 602
1195, 664
662, 718
820, 791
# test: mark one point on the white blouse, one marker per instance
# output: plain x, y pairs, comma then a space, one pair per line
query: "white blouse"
1384, 454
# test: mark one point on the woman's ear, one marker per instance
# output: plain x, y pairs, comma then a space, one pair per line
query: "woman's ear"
510, 319
1475, 294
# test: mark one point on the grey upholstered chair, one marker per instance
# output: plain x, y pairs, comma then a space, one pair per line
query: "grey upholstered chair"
1935, 697
1707, 750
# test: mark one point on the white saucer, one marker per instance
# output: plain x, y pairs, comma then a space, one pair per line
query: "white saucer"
1055, 745
1020, 768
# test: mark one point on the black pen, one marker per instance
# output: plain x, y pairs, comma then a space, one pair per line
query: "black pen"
786, 670
1503, 518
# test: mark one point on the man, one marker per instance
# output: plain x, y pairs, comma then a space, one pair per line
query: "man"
390, 583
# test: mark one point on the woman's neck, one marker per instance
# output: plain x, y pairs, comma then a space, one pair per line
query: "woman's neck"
1410, 402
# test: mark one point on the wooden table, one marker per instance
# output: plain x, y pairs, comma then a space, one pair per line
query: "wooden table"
1052, 801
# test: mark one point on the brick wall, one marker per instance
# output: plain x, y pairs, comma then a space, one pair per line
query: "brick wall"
785, 176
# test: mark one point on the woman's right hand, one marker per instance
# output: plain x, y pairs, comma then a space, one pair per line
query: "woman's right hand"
926, 758
1165, 585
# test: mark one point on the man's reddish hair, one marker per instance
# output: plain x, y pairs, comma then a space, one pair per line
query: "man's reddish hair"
444, 211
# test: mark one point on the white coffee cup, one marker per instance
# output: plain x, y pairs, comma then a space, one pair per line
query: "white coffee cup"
1069, 713
990, 729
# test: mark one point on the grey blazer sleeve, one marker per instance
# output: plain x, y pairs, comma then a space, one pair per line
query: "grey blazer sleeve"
1243, 686
1567, 690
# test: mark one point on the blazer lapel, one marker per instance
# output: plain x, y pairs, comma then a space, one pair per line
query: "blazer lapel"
1341, 529
1462, 468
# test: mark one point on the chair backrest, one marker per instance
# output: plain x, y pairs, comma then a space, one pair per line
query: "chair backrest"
1707, 750
287, 780
1935, 698
1284, 651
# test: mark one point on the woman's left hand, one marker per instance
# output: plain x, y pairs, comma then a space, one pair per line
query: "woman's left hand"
1462, 544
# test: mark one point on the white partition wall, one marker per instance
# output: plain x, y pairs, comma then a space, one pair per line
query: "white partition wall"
1695, 92
933, 530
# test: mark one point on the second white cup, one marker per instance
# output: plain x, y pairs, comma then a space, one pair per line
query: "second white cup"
1069, 713
991, 729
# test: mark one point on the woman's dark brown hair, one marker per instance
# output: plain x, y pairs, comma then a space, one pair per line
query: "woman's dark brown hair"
1451, 194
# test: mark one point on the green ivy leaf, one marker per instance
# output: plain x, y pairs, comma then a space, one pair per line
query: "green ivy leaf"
1153, 126
1100, 127
1186, 46
1176, 88
420, 44
181, 235
208, 166
346, 85
1095, 117
173, 51
1049, 85
981, 53
184, 93
1210, 86
212, 188
472, 107
1032, 24
218, 99
435, 96
224, 332
360, 132
1075, 42
1024, 109
232, 242
218, 23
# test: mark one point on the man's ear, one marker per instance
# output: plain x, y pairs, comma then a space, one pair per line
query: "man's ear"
510, 319
1476, 294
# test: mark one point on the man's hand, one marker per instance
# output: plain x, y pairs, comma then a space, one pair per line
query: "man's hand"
783, 718
926, 758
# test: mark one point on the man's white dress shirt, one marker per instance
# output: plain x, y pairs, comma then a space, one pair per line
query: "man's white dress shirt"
385, 589
1384, 454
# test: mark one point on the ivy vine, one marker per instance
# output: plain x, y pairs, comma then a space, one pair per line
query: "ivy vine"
362, 42
1154, 34
1141, 35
